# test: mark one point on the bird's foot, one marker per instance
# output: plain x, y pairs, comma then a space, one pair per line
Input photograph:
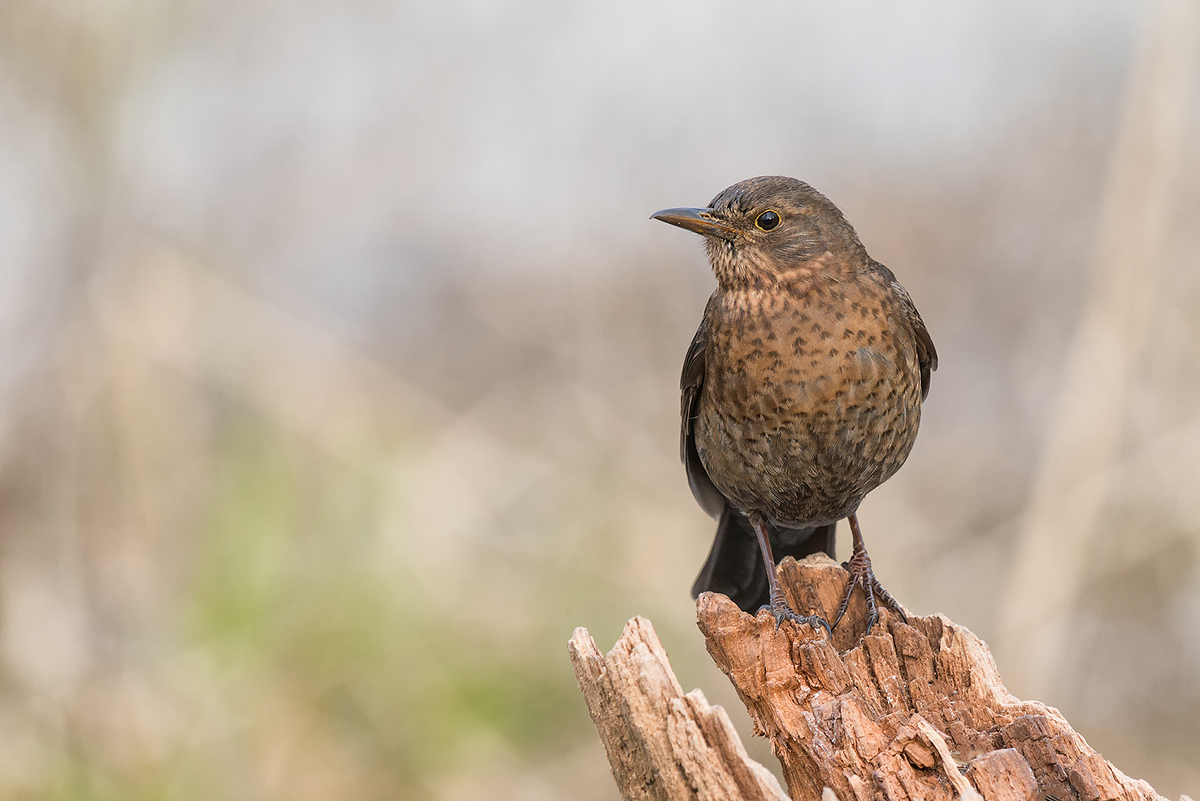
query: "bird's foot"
781, 611
861, 575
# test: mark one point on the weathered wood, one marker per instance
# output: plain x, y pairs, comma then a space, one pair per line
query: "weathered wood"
892, 716
913, 711
662, 744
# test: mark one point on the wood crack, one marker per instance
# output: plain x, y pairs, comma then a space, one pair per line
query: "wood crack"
913, 711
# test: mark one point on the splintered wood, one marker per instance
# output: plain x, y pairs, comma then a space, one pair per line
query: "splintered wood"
661, 743
910, 712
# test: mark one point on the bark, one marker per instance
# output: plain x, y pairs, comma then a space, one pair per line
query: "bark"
913, 711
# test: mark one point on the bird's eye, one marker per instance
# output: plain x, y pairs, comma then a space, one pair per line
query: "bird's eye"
767, 220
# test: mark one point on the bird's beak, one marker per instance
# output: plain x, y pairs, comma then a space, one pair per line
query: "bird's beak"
699, 220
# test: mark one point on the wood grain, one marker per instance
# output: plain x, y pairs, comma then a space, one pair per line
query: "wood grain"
911, 712
661, 743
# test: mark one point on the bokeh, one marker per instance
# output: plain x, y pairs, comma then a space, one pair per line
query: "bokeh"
338, 381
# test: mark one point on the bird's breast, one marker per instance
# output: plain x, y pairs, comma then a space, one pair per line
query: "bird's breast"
810, 400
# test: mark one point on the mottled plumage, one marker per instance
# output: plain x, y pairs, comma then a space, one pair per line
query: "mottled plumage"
802, 389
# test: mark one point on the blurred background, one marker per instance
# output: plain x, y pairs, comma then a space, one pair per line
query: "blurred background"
338, 377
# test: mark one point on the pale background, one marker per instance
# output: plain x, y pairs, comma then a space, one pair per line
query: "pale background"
338, 377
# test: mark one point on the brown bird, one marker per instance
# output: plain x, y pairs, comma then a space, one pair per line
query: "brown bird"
801, 390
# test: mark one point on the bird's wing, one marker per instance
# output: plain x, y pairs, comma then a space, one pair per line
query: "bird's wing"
690, 383
926, 352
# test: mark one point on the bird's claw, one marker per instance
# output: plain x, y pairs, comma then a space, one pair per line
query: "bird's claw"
780, 610
861, 575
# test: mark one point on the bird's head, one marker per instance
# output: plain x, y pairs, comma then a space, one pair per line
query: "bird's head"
764, 230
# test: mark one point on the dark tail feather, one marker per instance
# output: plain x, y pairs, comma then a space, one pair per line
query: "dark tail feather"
735, 566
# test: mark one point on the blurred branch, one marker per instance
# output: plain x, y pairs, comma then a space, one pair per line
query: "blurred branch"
911, 711
214, 331
1070, 490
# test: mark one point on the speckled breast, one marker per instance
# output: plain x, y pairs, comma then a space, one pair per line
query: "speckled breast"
810, 401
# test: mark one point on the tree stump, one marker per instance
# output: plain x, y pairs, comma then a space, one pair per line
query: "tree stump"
911, 712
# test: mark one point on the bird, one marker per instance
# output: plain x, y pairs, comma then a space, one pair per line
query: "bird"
801, 391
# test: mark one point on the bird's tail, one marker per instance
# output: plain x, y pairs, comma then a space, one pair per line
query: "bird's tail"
735, 565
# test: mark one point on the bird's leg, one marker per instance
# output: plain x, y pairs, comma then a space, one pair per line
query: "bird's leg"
779, 606
861, 575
